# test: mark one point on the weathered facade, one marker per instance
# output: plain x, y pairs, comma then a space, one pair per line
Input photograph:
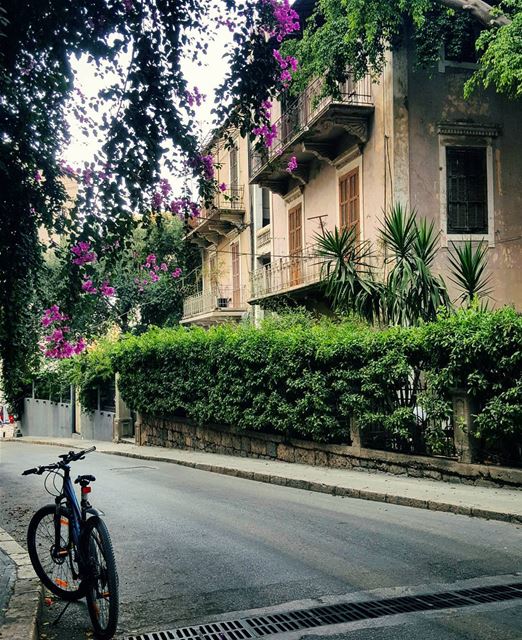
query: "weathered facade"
408, 137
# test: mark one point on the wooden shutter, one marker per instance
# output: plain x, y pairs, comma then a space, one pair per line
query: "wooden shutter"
236, 279
349, 201
466, 172
295, 243
234, 170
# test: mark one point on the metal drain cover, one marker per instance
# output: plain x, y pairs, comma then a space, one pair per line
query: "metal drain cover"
300, 619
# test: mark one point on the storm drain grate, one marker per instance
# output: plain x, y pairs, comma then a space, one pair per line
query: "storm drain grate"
272, 624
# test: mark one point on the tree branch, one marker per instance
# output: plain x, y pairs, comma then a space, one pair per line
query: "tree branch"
480, 10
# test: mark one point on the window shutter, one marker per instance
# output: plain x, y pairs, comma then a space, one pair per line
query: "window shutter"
466, 190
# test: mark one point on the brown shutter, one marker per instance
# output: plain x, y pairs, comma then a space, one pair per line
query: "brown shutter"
295, 243
349, 201
236, 280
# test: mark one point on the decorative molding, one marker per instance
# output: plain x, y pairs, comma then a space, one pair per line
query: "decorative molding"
469, 129
348, 156
321, 150
292, 195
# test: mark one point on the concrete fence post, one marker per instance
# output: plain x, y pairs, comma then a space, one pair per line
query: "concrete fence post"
465, 443
355, 433
137, 429
122, 417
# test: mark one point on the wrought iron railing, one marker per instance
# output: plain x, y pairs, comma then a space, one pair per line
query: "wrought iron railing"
221, 297
285, 274
306, 108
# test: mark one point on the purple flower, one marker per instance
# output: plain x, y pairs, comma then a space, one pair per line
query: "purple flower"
37, 176
88, 287
222, 187
106, 290
157, 200
292, 164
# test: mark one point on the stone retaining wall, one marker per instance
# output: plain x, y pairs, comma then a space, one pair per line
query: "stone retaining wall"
178, 433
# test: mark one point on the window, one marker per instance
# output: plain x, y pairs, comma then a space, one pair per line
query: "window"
349, 201
467, 197
265, 204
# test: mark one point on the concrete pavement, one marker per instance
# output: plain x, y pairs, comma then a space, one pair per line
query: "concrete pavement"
192, 546
20, 592
482, 502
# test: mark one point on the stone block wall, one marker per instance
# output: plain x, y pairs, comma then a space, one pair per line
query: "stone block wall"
178, 433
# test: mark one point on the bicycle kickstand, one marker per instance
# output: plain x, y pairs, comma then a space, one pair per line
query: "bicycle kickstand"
61, 614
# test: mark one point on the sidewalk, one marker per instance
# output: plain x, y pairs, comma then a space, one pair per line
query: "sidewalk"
20, 592
481, 502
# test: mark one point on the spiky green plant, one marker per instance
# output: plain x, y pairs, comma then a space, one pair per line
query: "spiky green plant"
347, 273
468, 270
412, 293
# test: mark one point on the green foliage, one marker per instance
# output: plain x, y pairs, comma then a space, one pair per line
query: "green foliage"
356, 34
307, 379
90, 370
160, 303
501, 55
347, 273
468, 270
409, 294
147, 125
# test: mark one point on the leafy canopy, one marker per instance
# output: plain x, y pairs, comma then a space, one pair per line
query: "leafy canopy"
356, 34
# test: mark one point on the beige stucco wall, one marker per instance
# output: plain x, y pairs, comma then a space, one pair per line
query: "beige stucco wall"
438, 97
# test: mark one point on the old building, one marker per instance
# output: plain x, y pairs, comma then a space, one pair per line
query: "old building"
409, 137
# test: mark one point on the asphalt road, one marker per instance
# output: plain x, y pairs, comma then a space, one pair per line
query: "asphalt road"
191, 545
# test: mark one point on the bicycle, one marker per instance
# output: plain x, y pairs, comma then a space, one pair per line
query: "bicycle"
70, 547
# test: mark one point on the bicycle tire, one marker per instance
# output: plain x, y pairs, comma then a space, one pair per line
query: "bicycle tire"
55, 574
102, 579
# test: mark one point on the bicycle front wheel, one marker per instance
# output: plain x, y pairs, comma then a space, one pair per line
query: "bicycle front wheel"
102, 582
59, 572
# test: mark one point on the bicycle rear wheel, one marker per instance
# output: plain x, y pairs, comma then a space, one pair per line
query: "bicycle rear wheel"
59, 574
102, 582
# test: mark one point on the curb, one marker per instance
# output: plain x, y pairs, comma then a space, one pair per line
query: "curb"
336, 490
23, 609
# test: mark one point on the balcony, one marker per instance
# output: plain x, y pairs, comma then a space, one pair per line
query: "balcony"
285, 276
224, 216
220, 304
314, 128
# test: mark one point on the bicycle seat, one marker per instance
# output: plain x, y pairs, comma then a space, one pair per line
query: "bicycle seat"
84, 480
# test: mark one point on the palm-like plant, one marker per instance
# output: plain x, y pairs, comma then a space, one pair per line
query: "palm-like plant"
347, 272
412, 292
468, 270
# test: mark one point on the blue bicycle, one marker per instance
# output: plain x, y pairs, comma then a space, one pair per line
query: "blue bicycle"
70, 547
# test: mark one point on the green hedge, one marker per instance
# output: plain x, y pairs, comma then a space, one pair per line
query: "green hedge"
296, 377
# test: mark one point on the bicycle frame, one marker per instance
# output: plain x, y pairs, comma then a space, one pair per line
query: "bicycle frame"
75, 517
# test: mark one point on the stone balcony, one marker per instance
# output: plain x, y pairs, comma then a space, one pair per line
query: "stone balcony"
226, 215
314, 127
222, 303
286, 276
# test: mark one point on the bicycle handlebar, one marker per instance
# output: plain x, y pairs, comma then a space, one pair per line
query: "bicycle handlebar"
72, 456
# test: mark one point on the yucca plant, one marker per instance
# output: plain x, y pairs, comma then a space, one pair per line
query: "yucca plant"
347, 273
411, 292
468, 270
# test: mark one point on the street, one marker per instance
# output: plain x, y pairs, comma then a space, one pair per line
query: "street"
192, 545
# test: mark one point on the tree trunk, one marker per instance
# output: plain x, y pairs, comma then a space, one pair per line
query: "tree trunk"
480, 10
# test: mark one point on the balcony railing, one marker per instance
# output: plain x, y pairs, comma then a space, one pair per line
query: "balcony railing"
221, 298
307, 108
286, 274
